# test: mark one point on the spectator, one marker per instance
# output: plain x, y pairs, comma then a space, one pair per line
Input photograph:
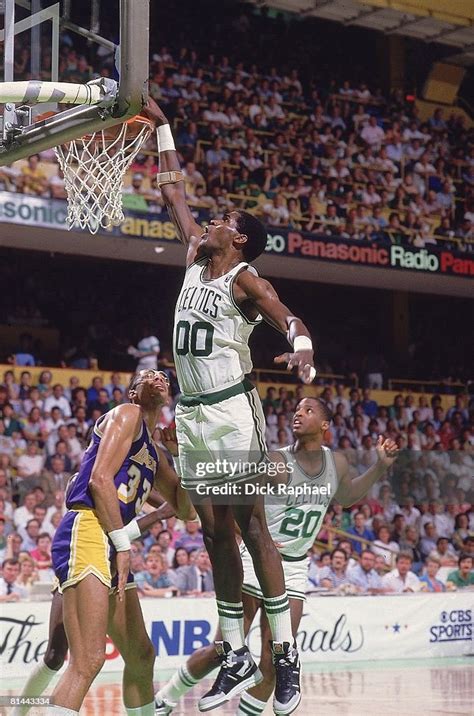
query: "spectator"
191, 538
9, 590
154, 581
429, 581
27, 575
428, 542
334, 576
11, 424
461, 530
151, 538
56, 478
147, 350
30, 534
42, 554
180, 559
410, 543
363, 576
26, 512
30, 464
359, 530
92, 394
163, 540
52, 425
401, 579
444, 552
197, 579
463, 576
385, 547
32, 179
58, 400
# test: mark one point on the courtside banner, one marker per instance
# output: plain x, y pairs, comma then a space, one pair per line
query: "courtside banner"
336, 629
36, 211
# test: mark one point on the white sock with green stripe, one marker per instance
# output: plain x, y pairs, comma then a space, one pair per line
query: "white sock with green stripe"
250, 706
231, 622
279, 618
180, 683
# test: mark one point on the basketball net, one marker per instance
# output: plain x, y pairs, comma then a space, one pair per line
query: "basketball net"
94, 167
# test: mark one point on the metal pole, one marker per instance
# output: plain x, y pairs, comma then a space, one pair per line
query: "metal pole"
95, 16
8, 63
8, 51
35, 42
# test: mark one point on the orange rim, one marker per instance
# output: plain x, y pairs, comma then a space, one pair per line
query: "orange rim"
134, 126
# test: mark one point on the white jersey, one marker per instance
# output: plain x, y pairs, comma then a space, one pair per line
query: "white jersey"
295, 517
210, 339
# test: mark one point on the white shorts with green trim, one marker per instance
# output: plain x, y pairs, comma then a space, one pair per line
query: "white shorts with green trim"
295, 574
221, 441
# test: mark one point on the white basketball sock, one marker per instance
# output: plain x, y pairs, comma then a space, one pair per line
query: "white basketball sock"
146, 710
180, 683
37, 682
231, 621
279, 617
250, 706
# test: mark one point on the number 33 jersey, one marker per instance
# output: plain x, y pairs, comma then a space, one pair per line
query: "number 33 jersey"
211, 333
295, 516
133, 481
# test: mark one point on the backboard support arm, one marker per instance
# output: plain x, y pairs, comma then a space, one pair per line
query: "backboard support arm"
75, 122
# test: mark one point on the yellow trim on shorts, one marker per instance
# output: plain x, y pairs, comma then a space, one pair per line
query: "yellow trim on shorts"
89, 551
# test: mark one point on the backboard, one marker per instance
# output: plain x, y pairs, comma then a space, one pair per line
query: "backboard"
34, 36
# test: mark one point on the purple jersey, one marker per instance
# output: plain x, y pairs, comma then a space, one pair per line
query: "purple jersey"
133, 481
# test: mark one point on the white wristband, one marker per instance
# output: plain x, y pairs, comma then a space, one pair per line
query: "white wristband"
133, 530
165, 138
120, 539
302, 343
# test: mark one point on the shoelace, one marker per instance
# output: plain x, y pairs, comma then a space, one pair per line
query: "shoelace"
228, 661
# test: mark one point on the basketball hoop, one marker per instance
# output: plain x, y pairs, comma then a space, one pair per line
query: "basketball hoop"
94, 167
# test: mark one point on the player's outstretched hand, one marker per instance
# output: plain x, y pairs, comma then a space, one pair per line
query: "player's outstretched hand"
169, 440
123, 568
303, 360
154, 112
387, 451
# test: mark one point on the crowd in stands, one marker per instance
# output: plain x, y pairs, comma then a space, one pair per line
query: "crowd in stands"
410, 526
332, 157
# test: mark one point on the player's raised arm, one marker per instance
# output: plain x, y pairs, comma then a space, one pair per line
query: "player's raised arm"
349, 490
253, 291
171, 182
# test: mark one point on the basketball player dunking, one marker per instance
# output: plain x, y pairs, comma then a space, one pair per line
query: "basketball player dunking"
294, 522
220, 415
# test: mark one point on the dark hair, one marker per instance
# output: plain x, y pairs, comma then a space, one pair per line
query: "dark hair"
42, 535
441, 539
325, 409
175, 564
341, 551
463, 556
457, 519
256, 235
9, 560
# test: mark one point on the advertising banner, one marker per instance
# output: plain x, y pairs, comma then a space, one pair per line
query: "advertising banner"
36, 211
333, 629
